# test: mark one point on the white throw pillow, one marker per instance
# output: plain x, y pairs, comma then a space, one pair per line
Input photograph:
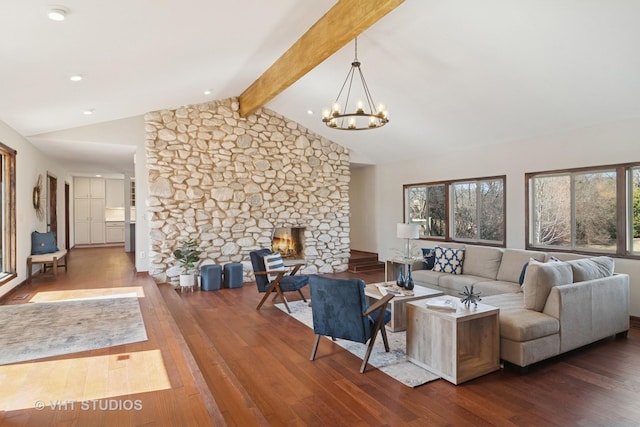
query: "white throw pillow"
540, 277
273, 262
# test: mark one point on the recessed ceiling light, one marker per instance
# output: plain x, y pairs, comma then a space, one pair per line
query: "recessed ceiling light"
207, 92
75, 78
88, 112
310, 112
98, 176
57, 14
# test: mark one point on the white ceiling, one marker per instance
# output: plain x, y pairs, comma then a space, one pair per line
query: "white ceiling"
452, 73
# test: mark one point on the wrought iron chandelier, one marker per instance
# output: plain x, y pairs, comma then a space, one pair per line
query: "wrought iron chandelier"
364, 115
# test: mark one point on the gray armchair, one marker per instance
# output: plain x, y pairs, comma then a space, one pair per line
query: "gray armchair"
340, 310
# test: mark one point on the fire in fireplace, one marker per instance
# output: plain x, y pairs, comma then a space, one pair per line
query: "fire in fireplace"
288, 241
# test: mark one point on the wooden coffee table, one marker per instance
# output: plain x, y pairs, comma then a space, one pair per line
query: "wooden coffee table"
397, 304
457, 345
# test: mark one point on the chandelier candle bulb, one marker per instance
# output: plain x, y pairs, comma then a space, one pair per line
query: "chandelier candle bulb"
359, 108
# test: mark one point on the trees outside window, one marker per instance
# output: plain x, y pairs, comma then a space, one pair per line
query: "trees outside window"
427, 208
7, 213
476, 209
635, 209
584, 209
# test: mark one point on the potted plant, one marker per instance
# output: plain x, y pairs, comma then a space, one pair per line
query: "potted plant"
188, 255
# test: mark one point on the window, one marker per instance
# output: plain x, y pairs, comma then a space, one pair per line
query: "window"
634, 217
7, 213
584, 210
464, 210
427, 208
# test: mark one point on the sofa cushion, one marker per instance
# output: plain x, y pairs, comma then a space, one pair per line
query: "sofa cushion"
540, 277
448, 260
496, 287
427, 277
591, 268
43, 243
526, 264
519, 324
483, 261
429, 256
457, 282
512, 262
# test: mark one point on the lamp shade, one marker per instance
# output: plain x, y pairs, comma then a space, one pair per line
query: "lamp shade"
408, 231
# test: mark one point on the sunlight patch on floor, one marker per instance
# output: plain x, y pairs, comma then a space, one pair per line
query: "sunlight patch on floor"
85, 293
81, 379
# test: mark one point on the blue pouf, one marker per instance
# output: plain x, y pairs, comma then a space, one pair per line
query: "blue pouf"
210, 277
233, 275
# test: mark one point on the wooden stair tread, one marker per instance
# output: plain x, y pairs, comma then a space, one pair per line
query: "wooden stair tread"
364, 261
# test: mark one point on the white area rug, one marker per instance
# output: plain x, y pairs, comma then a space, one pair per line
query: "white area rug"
36, 330
394, 363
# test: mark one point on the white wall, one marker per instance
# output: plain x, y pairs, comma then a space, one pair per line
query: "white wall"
610, 143
130, 132
29, 164
362, 198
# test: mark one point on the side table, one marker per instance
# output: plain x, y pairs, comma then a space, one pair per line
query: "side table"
458, 345
392, 265
397, 304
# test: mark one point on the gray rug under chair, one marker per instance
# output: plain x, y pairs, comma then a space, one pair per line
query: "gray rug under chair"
394, 363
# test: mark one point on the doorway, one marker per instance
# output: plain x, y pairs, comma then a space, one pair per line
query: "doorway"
52, 212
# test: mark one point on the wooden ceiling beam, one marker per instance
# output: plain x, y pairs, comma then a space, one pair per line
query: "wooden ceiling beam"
341, 24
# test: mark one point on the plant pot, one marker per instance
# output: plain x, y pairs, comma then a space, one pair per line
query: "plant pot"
187, 280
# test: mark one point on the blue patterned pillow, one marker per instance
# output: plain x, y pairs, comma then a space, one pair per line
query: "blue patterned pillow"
429, 256
448, 260
43, 243
273, 262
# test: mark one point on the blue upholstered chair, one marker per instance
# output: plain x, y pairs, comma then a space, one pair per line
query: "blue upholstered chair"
340, 310
286, 281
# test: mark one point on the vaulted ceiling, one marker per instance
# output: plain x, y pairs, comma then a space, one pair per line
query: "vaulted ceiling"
453, 74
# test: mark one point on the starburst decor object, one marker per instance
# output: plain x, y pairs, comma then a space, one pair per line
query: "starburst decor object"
365, 115
469, 297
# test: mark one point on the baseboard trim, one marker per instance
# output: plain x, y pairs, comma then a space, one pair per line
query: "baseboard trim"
12, 292
634, 321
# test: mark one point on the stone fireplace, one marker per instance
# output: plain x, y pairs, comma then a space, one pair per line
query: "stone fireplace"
228, 181
289, 241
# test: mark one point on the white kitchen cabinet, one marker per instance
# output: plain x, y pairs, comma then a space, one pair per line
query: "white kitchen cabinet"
87, 188
88, 210
114, 197
114, 232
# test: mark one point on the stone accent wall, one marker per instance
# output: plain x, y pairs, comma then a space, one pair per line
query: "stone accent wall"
227, 181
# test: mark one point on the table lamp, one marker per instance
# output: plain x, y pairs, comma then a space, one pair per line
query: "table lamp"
408, 231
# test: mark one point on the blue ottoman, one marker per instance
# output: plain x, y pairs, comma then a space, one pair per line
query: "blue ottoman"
233, 275
210, 277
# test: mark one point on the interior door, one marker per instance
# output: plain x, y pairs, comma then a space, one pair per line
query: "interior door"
52, 217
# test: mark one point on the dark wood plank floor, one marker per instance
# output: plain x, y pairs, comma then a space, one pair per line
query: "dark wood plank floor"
231, 364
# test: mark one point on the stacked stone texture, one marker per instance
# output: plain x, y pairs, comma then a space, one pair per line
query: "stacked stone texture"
228, 181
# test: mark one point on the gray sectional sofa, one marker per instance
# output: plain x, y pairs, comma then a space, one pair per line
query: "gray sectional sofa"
565, 301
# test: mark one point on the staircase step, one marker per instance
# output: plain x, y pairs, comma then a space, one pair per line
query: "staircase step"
371, 266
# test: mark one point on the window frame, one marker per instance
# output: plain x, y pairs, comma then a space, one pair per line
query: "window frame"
623, 209
448, 206
9, 217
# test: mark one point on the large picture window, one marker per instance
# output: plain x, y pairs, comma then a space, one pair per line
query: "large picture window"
470, 210
7, 213
585, 210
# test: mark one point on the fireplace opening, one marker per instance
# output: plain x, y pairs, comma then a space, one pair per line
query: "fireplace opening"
288, 241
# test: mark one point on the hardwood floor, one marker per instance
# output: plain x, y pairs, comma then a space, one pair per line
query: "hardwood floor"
229, 364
